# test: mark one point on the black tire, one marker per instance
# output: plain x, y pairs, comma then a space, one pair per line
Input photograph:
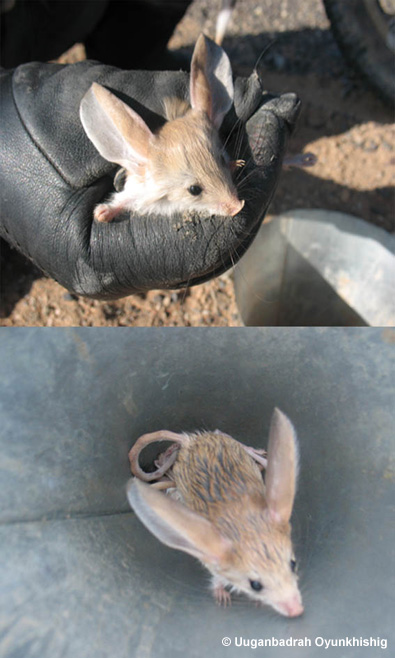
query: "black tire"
366, 36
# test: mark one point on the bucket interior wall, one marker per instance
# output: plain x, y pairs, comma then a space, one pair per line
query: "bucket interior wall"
81, 577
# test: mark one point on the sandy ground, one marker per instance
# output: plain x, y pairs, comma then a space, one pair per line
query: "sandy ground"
342, 123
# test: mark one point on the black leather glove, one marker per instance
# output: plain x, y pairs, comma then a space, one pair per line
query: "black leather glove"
52, 177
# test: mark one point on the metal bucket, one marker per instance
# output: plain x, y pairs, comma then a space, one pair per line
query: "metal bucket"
317, 268
81, 577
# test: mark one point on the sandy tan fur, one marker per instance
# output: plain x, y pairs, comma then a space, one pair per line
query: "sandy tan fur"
246, 535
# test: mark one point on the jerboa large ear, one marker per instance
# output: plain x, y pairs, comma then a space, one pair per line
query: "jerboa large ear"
282, 468
118, 132
211, 85
176, 525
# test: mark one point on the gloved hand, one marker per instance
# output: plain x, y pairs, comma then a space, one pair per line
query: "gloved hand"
52, 177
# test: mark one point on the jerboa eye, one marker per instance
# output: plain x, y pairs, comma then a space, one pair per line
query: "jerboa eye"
256, 585
195, 190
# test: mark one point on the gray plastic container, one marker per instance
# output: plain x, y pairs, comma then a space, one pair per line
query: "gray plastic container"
82, 578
